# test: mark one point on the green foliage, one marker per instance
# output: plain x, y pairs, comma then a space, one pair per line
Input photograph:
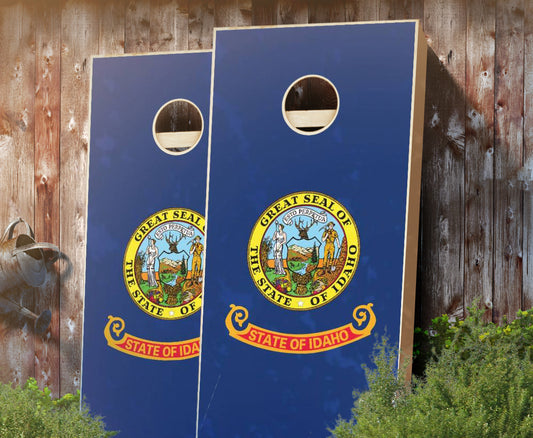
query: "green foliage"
29, 412
478, 383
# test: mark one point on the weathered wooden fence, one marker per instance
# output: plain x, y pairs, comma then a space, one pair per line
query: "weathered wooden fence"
477, 206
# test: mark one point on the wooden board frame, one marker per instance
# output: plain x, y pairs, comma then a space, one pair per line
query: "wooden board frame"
414, 183
412, 210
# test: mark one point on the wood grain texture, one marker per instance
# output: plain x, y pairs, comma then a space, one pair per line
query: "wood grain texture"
479, 153
17, 173
408, 9
330, 12
442, 252
47, 219
169, 25
111, 27
387, 10
263, 12
78, 18
137, 27
233, 13
362, 10
508, 157
292, 12
201, 23
527, 172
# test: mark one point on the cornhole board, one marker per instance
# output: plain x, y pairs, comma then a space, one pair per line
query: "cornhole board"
141, 341
312, 239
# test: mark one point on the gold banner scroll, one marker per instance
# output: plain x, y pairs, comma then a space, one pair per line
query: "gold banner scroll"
300, 343
145, 348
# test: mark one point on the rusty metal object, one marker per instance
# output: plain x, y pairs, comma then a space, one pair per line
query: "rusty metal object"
41, 322
23, 263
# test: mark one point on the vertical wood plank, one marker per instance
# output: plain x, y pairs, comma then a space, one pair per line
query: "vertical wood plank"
440, 289
169, 25
233, 13
201, 23
137, 27
330, 12
527, 289
509, 95
361, 10
400, 9
17, 49
111, 27
263, 12
80, 28
292, 12
387, 9
418, 10
409, 9
479, 152
47, 218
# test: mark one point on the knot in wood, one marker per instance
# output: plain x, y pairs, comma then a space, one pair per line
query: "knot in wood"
508, 252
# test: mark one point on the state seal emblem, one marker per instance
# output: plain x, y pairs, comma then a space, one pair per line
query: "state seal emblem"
163, 267
303, 250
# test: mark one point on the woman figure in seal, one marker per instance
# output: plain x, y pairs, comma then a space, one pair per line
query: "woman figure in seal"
151, 255
279, 239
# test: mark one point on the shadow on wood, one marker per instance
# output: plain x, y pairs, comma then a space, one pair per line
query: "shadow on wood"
441, 248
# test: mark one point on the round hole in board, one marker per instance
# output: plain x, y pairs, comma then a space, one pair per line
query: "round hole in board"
310, 105
178, 127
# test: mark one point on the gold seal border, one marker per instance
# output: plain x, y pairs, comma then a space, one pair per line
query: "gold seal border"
255, 240
133, 246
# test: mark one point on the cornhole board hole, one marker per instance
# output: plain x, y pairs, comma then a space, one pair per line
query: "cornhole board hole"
145, 238
313, 203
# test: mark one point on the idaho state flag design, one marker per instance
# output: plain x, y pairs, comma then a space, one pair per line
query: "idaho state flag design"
311, 213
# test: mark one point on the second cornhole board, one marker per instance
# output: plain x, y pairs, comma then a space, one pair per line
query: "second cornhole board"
145, 241
313, 200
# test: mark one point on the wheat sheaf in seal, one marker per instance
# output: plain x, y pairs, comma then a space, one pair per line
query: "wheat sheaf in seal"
163, 263
303, 250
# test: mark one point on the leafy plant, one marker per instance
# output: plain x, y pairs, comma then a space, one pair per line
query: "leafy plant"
29, 412
478, 383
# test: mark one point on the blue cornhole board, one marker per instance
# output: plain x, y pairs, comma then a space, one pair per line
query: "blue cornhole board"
140, 367
292, 304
